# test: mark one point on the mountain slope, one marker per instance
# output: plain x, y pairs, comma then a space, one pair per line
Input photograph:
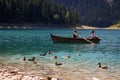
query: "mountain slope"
95, 12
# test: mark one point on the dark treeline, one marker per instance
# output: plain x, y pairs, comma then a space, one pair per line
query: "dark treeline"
37, 11
68, 12
95, 12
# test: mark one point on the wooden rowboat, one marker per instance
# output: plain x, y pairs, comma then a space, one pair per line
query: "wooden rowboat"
60, 39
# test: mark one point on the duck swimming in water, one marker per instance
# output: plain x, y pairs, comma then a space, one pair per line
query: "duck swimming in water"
102, 67
43, 54
33, 59
58, 63
54, 57
24, 59
67, 56
50, 52
78, 55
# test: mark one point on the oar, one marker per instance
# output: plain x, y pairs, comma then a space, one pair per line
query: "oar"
89, 41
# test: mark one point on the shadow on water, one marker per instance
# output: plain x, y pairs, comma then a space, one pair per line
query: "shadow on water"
74, 47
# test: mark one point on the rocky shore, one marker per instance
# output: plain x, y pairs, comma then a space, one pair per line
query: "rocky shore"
13, 73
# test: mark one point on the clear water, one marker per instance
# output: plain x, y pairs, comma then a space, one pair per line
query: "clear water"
14, 44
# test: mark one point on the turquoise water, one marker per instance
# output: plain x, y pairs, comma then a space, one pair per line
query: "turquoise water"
15, 44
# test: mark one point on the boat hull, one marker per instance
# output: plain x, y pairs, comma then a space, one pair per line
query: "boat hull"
59, 39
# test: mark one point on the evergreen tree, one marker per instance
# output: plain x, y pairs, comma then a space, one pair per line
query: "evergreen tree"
34, 11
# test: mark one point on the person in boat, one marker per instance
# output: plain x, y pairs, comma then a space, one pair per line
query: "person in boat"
92, 34
75, 34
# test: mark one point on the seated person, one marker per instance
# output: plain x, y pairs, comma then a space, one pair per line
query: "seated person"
75, 34
92, 35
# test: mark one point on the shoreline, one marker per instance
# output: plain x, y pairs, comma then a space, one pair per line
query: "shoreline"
39, 72
30, 26
45, 26
28, 71
91, 27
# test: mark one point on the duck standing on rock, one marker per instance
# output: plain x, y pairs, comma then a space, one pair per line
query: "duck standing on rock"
102, 67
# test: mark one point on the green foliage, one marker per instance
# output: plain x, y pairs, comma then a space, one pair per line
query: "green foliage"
56, 16
95, 12
119, 22
116, 25
34, 11
67, 15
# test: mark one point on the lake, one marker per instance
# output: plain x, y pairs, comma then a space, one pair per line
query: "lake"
15, 44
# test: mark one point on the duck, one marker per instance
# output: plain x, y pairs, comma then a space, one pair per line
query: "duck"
24, 58
50, 52
43, 54
67, 56
34, 62
54, 57
78, 55
58, 63
102, 67
33, 59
